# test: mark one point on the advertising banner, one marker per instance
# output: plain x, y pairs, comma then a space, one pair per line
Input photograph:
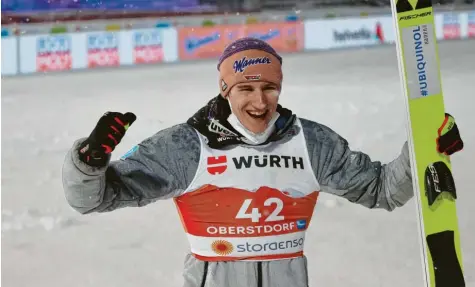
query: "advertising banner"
47, 53
471, 24
451, 26
147, 46
103, 49
209, 42
53, 53
283, 37
204, 42
329, 34
9, 56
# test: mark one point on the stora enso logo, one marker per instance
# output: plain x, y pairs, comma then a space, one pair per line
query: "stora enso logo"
222, 247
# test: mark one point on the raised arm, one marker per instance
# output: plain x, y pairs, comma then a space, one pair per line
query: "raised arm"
161, 166
353, 175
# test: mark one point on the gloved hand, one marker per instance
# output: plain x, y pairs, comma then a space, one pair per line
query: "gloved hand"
107, 134
448, 140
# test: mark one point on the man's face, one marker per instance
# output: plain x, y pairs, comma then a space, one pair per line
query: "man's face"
254, 104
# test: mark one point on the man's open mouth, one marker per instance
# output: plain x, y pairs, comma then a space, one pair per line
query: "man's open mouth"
257, 115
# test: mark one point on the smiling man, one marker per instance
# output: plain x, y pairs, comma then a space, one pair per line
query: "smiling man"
244, 172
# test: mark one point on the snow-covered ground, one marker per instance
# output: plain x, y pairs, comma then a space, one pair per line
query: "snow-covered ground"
357, 93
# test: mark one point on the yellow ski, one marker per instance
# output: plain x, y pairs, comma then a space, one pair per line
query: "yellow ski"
434, 188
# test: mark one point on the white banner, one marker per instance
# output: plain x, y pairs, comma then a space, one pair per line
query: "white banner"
450, 26
471, 24
351, 32
62, 52
455, 25
145, 46
9, 56
49, 53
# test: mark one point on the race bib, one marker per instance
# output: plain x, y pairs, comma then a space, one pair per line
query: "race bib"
236, 224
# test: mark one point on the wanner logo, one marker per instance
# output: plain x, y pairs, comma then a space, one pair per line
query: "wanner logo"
193, 43
241, 65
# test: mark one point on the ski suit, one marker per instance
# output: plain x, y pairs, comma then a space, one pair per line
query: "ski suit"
260, 198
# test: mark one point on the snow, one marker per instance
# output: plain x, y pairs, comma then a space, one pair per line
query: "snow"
355, 92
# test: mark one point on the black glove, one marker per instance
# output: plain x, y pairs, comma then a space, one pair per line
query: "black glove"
448, 140
107, 134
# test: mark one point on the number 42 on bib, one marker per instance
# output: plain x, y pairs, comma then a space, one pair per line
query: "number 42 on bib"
255, 215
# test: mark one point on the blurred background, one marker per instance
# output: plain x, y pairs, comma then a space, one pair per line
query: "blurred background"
62, 35
69, 15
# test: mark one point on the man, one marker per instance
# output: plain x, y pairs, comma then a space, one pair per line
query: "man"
244, 173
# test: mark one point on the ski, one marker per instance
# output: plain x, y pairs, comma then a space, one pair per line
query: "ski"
434, 187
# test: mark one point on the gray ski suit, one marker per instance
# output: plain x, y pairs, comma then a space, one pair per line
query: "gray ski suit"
165, 164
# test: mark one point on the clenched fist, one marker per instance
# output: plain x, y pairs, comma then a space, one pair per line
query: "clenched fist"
107, 134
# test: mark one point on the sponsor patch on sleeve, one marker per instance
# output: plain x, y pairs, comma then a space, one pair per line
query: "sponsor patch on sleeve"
130, 152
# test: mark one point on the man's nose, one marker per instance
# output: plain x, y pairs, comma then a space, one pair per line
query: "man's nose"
261, 100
